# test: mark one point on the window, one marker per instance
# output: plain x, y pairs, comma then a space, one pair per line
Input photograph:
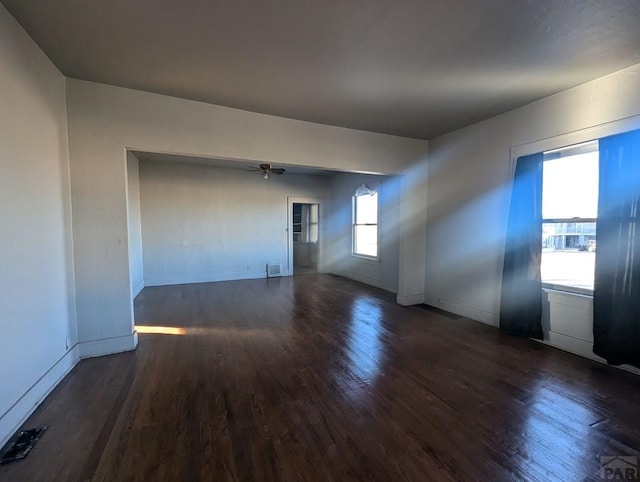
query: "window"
305, 223
365, 222
297, 223
312, 234
569, 211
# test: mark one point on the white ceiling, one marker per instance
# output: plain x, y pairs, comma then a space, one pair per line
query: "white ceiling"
416, 68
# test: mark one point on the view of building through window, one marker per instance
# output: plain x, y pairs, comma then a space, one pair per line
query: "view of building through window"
569, 211
365, 224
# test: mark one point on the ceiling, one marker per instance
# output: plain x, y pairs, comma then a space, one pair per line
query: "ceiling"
415, 68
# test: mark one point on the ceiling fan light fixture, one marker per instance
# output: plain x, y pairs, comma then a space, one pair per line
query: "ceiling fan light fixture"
267, 169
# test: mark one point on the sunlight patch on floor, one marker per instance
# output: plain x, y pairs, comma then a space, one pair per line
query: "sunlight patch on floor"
161, 330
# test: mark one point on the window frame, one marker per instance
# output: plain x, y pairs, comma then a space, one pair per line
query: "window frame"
565, 139
364, 190
560, 287
574, 149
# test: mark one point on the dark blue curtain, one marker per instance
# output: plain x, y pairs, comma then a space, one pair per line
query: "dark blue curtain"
616, 293
521, 301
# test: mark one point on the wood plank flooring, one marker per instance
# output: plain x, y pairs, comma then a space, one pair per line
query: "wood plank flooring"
319, 378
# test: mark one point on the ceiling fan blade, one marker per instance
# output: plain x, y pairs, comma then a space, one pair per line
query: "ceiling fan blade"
277, 170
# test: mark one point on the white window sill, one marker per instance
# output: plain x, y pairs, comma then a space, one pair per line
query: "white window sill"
567, 290
373, 259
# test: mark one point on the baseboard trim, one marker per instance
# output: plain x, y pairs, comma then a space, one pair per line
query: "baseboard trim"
205, 278
409, 300
573, 345
108, 346
376, 283
581, 348
22, 409
33, 397
463, 310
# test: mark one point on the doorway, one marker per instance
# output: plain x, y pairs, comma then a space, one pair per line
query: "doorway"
305, 219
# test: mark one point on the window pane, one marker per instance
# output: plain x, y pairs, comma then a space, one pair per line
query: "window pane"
366, 240
570, 187
367, 209
313, 213
313, 233
569, 254
313, 223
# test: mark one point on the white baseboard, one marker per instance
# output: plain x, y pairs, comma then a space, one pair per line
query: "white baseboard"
573, 345
138, 288
582, 348
482, 316
107, 346
205, 278
24, 407
408, 300
33, 397
376, 283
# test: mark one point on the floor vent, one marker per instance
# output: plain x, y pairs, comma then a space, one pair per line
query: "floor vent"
274, 270
19, 446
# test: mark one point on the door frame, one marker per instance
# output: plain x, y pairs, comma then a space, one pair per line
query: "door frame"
322, 217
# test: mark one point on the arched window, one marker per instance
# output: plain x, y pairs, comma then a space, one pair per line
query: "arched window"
365, 222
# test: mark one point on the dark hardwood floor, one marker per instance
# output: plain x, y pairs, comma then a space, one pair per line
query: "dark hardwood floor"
320, 378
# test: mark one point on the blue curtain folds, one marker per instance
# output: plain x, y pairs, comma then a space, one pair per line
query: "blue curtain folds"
616, 294
521, 300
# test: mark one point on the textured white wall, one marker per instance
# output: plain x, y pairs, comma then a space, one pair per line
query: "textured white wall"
203, 223
382, 273
469, 187
37, 312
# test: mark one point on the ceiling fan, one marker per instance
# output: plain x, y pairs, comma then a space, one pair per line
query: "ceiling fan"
267, 169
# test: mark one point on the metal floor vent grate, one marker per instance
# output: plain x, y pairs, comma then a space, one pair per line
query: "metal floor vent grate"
18, 447
274, 270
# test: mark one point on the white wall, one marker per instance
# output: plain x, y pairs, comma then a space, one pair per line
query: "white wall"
135, 227
202, 223
469, 186
37, 315
104, 121
413, 235
567, 323
382, 273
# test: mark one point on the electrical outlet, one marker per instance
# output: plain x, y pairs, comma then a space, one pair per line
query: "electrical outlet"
415, 290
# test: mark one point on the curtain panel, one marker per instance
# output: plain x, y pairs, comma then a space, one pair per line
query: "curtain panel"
616, 294
521, 300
